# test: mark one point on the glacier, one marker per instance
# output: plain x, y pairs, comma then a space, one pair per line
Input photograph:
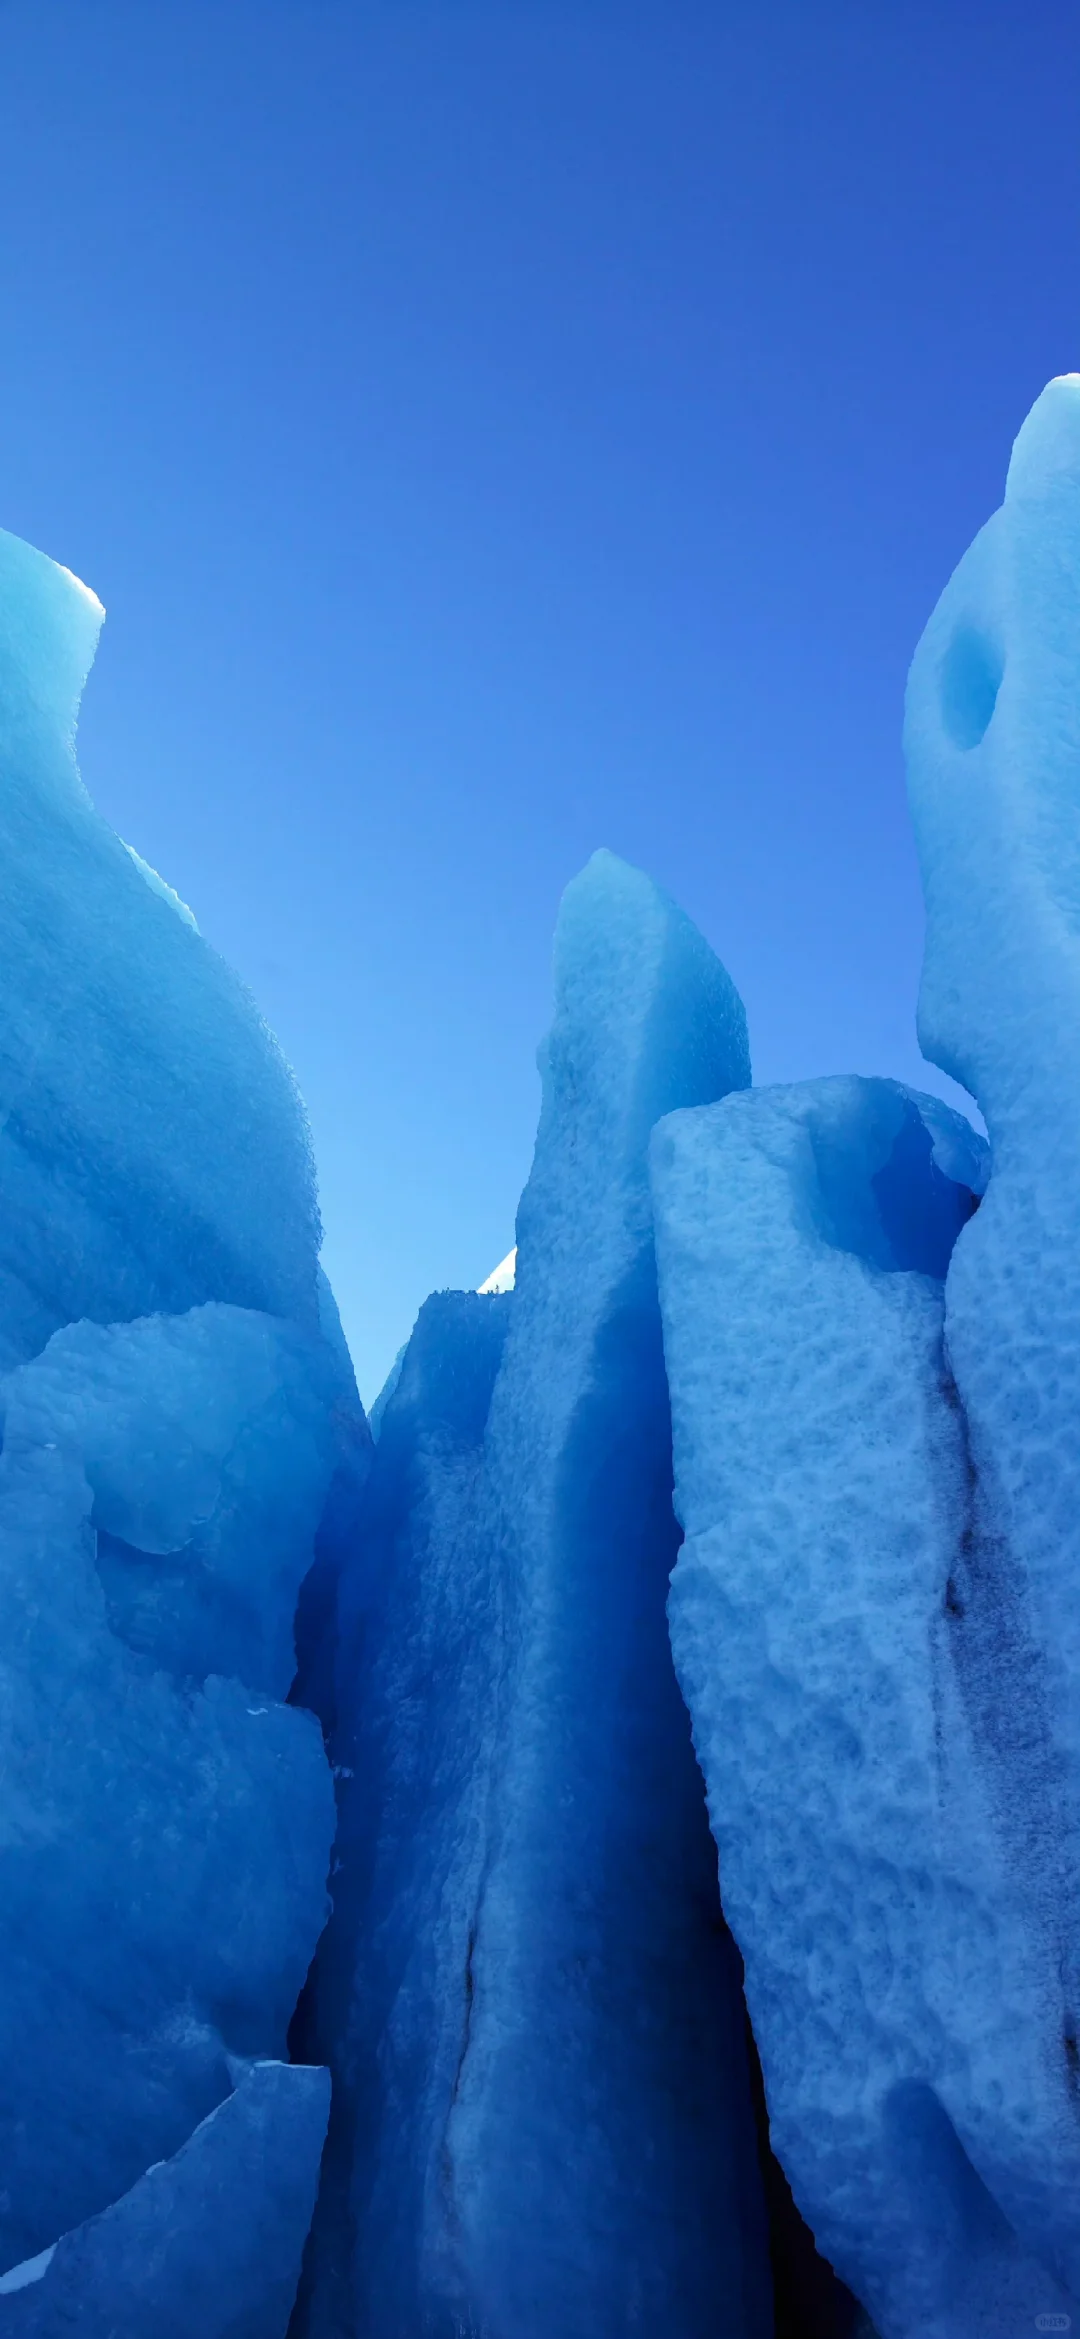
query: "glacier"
596, 1849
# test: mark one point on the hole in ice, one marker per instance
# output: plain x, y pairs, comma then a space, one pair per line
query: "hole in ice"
880, 1193
921, 1210
970, 681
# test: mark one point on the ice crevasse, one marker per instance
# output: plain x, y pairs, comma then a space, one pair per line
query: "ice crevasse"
526, 1995
604, 1857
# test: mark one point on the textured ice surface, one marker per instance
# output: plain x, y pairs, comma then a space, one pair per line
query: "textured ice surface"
208, 1445
993, 746
165, 1832
553, 2134
206, 2245
153, 1152
892, 1965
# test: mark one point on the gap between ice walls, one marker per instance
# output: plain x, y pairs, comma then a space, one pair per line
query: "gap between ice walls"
599, 1856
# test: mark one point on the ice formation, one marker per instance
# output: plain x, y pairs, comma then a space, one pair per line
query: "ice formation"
153, 1151
993, 744
802, 1239
876, 1613
179, 1424
414, 1661
851, 1326
206, 2245
151, 1776
542, 2121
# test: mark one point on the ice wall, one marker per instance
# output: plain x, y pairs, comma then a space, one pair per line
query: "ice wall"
206, 2245
153, 1150
993, 746
180, 1436
168, 1824
553, 2136
821, 1474
417, 1655
602, 2107
876, 1612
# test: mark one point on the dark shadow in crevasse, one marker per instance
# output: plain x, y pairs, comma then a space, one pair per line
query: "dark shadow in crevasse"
809, 2299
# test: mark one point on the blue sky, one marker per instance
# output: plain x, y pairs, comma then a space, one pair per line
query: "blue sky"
500, 431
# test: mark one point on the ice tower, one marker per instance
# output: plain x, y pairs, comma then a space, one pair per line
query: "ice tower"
527, 1993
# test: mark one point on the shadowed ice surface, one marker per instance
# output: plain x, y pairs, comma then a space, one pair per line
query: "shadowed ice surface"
527, 1992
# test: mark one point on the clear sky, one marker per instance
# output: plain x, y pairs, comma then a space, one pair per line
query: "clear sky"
497, 431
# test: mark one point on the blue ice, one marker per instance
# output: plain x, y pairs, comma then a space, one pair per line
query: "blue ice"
168, 1821
871, 1331
416, 1663
206, 2245
821, 1477
843, 1328
527, 1994
182, 1445
153, 1149
993, 748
